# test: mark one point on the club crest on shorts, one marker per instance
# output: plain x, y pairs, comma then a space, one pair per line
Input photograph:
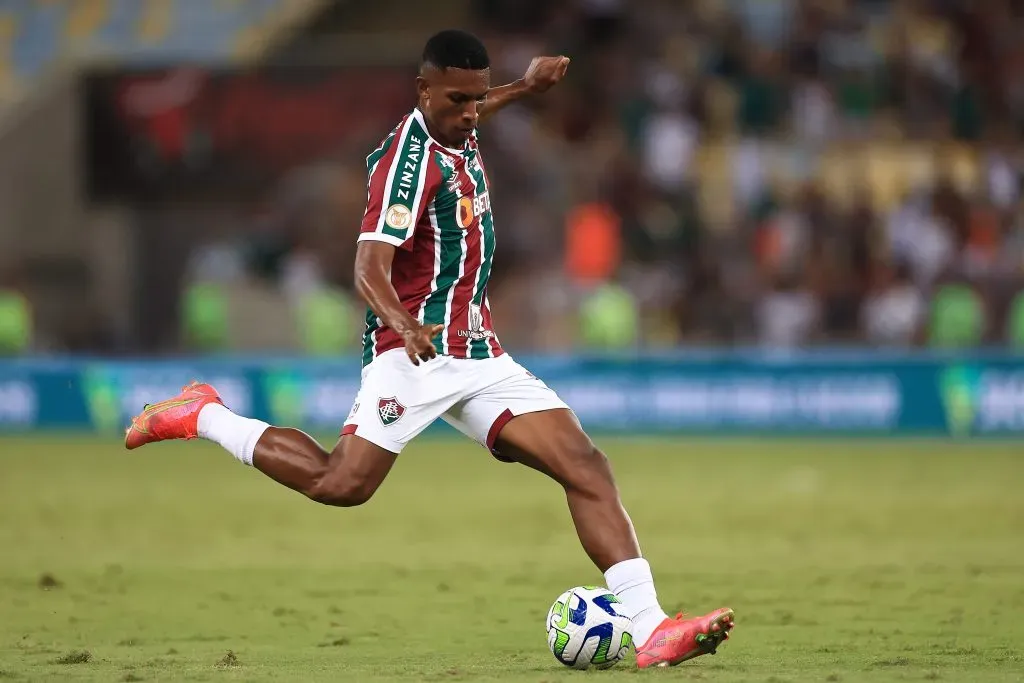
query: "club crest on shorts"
389, 410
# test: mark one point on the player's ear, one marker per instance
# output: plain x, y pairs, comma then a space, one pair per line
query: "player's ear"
422, 89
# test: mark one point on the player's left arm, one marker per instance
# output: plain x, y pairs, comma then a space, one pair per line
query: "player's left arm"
543, 73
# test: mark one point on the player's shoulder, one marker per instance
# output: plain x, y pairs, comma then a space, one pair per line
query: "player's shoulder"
397, 134
407, 137
439, 158
411, 132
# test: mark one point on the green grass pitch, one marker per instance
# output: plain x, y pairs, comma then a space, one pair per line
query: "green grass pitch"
844, 561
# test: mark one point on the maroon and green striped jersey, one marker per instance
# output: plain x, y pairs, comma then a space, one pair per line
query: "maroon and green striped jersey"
433, 203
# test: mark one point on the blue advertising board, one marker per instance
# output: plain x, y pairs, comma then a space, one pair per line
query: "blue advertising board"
857, 393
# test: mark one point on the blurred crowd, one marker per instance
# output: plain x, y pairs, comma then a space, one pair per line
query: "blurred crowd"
720, 172
739, 172
782, 173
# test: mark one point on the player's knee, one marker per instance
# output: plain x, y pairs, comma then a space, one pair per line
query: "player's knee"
346, 493
581, 452
588, 469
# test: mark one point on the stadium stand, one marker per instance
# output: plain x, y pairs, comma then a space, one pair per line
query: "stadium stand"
38, 34
720, 169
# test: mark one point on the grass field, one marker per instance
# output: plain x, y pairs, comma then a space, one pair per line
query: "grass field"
844, 561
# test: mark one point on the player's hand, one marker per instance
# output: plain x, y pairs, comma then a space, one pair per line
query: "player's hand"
544, 72
418, 344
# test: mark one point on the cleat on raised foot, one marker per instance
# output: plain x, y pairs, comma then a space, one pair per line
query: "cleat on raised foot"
707, 643
677, 640
175, 418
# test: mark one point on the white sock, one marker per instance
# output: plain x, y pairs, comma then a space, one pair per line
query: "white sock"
633, 585
235, 433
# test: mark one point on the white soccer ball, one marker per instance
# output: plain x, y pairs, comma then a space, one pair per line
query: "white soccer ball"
586, 627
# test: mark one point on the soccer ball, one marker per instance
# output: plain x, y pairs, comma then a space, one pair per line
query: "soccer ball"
586, 628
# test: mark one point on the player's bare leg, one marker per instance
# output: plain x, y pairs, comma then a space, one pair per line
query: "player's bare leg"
346, 476
553, 442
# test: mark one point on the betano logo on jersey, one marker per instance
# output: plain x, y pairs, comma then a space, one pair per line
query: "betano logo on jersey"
471, 208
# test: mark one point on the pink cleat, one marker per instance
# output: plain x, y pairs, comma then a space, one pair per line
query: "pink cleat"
677, 640
175, 418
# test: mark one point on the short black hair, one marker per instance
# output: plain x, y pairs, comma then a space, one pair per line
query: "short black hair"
454, 49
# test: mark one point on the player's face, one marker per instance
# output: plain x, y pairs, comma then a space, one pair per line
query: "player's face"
451, 101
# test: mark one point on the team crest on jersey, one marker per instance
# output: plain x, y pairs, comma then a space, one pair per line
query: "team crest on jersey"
398, 216
389, 410
445, 160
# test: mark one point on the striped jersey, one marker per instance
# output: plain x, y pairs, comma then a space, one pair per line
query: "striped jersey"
433, 203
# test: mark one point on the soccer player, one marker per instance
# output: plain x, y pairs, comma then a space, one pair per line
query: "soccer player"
423, 260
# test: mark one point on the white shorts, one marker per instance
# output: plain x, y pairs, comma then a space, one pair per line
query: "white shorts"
397, 400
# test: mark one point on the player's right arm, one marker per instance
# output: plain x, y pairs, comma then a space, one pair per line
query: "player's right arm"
373, 283
402, 179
